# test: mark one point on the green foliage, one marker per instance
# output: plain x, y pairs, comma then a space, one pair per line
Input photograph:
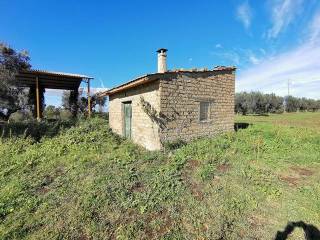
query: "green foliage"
206, 172
65, 115
11, 62
259, 103
101, 102
172, 145
79, 104
52, 113
70, 101
25, 128
20, 116
291, 104
87, 183
294, 104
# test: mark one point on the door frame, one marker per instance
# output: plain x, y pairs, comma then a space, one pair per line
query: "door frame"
124, 118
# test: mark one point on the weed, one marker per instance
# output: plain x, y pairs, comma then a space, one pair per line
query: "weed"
86, 183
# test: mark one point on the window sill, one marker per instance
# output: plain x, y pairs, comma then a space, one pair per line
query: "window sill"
205, 121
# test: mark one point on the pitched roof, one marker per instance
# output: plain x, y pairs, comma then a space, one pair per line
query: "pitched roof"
59, 74
49, 79
155, 76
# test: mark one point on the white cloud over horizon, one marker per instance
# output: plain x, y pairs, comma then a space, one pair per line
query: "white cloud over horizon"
270, 72
244, 14
300, 66
53, 96
55, 92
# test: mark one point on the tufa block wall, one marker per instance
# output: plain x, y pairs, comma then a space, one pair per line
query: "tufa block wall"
144, 131
180, 98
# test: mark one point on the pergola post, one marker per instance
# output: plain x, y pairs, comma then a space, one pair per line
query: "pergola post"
38, 81
89, 99
37, 99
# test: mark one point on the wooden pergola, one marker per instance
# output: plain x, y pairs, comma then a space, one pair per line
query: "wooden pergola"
52, 80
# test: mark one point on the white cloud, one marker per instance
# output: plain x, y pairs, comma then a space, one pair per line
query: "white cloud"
249, 56
283, 12
53, 92
190, 59
253, 59
53, 96
231, 57
218, 45
238, 56
244, 14
314, 28
262, 51
57, 92
83, 90
300, 65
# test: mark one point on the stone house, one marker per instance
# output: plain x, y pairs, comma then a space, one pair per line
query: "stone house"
170, 105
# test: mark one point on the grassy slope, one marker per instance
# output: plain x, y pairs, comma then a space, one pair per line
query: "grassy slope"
88, 184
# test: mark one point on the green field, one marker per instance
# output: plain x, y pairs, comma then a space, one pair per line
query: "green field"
86, 183
310, 120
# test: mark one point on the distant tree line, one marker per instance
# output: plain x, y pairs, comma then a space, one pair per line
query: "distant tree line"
260, 103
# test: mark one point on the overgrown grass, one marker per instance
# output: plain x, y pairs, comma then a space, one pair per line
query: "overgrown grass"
34, 129
87, 183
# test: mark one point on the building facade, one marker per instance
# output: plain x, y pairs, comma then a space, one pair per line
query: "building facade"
173, 105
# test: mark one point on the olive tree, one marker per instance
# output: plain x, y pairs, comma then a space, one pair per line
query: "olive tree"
12, 98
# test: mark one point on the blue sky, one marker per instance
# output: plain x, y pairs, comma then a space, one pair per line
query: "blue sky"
270, 41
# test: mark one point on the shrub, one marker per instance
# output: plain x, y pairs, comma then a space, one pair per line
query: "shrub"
51, 113
172, 145
20, 116
34, 129
65, 115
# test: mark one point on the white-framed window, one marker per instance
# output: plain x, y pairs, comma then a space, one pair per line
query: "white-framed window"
204, 111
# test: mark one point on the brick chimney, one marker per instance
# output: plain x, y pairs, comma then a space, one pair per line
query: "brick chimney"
162, 60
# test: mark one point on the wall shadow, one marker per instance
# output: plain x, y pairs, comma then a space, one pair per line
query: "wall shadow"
311, 232
241, 125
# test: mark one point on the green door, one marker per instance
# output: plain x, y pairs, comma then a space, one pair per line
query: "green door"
127, 113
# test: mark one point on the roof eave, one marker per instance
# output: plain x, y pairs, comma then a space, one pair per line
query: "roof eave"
56, 74
134, 83
146, 78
